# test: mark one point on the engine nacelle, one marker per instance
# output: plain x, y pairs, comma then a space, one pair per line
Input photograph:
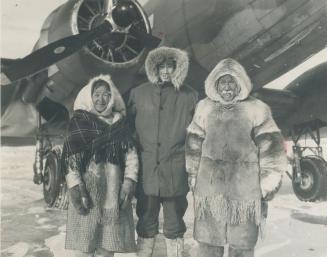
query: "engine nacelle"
119, 55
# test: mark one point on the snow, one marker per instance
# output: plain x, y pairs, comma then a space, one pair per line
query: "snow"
29, 228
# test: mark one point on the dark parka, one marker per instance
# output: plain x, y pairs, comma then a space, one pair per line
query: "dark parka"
162, 114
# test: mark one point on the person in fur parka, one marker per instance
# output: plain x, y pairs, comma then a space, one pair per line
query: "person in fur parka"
161, 110
235, 160
101, 173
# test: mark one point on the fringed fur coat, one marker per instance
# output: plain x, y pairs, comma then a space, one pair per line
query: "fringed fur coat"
235, 151
161, 114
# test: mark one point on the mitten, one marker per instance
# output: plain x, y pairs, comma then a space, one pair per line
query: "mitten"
126, 192
80, 199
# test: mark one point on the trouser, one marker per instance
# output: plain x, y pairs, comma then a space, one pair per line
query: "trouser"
148, 208
206, 250
98, 253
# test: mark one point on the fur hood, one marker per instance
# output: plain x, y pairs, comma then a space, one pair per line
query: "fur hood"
157, 55
116, 104
233, 68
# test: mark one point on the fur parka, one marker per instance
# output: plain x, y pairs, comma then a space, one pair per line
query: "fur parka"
161, 114
235, 151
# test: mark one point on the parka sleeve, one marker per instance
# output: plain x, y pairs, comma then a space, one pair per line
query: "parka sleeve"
194, 140
131, 109
272, 156
73, 176
131, 164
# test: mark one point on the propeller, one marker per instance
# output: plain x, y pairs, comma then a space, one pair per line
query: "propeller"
118, 20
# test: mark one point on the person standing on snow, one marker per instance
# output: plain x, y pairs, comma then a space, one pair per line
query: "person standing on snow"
102, 170
235, 160
161, 110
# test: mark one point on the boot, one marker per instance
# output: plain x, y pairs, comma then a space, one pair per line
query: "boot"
233, 252
145, 247
205, 250
175, 247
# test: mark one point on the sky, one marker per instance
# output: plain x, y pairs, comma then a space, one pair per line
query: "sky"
21, 21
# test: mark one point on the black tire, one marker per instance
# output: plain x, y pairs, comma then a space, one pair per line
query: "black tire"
314, 179
51, 178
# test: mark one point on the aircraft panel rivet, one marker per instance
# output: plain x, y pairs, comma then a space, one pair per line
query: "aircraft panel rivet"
59, 50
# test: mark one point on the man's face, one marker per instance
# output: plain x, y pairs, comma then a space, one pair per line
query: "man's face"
166, 70
227, 88
101, 97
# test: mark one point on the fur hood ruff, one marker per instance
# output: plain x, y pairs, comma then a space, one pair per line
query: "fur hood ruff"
156, 56
231, 67
116, 105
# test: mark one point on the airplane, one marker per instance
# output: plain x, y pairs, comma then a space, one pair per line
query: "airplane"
84, 38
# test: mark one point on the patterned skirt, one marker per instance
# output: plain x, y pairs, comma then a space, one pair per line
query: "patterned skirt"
88, 233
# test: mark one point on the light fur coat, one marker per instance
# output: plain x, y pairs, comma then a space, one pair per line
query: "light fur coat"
235, 151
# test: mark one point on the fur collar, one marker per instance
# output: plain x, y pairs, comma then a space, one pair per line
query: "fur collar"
233, 68
116, 105
182, 64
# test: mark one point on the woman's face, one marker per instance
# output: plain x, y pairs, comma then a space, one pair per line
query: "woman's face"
101, 97
227, 88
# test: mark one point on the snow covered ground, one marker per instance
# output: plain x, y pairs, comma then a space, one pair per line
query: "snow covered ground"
30, 229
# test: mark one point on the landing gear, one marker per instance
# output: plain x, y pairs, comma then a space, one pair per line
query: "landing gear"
47, 169
54, 185
309, 178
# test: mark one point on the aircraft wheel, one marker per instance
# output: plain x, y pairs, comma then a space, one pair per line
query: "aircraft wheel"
54, 185
313, 182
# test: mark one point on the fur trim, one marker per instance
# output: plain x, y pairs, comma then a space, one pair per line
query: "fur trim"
270, 184
157, 55
262, 117
273, 163
196, 130
233, 68
231, 211
193, 149
131, 165
192, 162
84, 98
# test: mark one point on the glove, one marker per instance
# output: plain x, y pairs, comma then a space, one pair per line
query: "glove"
80, 199
191, 182
126, 192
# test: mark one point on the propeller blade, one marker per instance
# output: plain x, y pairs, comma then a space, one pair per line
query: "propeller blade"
149, 41
50, 54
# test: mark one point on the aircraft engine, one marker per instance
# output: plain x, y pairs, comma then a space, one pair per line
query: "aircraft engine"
118, 54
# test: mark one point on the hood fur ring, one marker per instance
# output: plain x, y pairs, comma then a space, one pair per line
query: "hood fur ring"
231, 67
156, 56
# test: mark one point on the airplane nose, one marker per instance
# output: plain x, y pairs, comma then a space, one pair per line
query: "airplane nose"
124, 13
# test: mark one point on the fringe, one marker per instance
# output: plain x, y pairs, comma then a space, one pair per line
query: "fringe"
231, 211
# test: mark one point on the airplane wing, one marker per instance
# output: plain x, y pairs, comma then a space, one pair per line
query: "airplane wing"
302, 103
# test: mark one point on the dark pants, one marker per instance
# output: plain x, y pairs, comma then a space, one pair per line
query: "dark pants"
148, 208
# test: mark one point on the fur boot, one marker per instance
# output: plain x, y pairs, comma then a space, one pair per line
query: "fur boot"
175, 247
205, 250
145, 246
234, 252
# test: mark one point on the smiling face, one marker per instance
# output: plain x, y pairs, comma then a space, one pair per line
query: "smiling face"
101, 96
227, 88
166, 69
